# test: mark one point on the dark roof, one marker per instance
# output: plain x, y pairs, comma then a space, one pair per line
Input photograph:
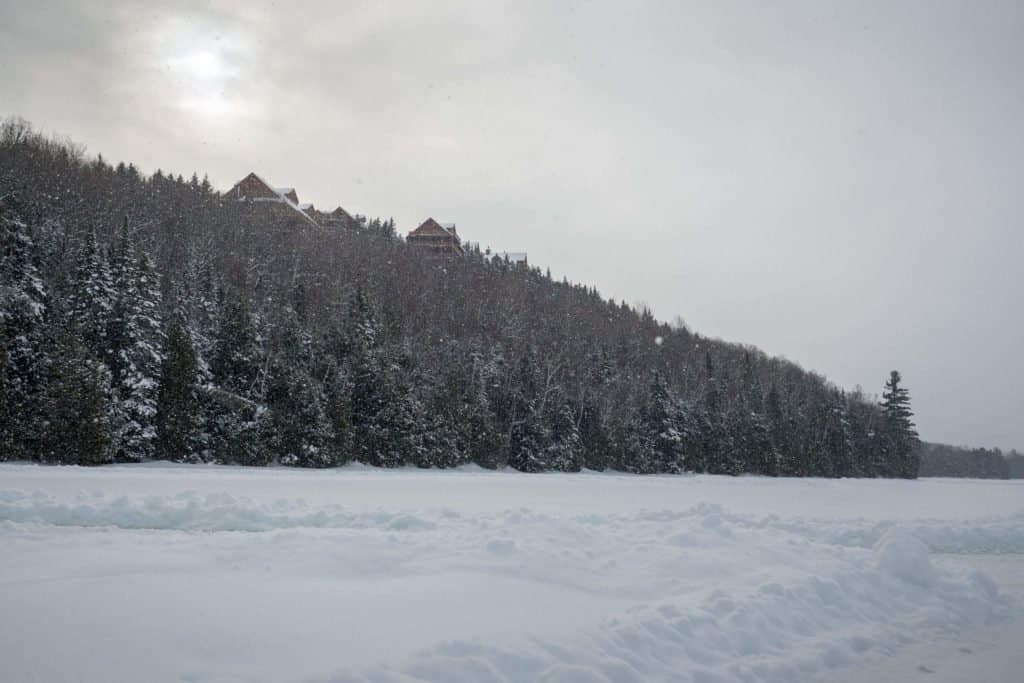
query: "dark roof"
267, 192
432, 227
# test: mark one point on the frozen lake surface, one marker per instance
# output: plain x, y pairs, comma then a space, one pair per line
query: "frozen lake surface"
176, 573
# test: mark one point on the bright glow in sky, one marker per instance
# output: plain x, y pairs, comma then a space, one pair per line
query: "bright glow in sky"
202, 65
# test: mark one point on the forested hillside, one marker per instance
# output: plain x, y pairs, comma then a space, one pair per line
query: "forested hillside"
148, 317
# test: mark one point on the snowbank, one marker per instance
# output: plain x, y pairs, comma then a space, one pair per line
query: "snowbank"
227, 574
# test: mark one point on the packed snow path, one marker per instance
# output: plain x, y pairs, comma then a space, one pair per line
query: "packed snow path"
167, 573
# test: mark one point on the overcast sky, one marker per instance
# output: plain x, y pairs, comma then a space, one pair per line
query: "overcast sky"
838, 183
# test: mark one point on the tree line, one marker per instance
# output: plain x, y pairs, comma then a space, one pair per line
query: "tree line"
148, 317
942, 460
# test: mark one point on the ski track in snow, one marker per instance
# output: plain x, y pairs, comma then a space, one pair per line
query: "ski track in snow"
225, 574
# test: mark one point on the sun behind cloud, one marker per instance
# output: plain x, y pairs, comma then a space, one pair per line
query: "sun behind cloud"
202, 65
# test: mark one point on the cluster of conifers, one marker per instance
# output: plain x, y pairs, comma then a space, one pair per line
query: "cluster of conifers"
146, 317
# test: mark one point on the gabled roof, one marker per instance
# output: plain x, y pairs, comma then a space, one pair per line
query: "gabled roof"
268, 192
432, 227
340, 214
263, 189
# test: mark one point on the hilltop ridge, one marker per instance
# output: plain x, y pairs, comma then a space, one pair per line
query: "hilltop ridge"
164, 320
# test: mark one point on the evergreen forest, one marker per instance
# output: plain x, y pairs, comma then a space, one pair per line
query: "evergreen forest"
148, 317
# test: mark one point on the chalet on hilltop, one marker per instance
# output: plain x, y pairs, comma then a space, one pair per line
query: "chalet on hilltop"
338, 218
253, 188
432, 239
439, 240
442, 240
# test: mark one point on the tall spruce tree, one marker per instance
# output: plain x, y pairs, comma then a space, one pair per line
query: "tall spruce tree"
177, 407
902, 436
662, 432
527, 440
751, 432
565, 450
297, 429
371, 392
778, 430
133, 349
23, 304
91, 294
482, 434
718, 452
338, 413
527, 426
233, 411
75, 402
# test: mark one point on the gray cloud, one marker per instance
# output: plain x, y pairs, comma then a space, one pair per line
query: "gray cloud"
837, 183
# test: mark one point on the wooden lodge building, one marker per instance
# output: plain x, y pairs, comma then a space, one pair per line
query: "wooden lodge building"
253, 188
432, 239
439, 240
442, 241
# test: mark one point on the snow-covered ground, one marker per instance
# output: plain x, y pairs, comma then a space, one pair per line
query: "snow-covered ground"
171, 573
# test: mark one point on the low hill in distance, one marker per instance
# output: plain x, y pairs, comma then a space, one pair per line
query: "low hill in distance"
942, 460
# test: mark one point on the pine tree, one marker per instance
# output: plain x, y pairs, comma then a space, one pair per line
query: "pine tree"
119, 327
133, 349
91, 295
23, 303
565, 450
527, 426
177, 406
483, 439
527, 441
233, 414
387, 417
718, 454
861, 416
298, 432
338, 413
297, 423
595, 436
8, 446
597, 410
778, 431
236, 358
633, 446
370, 390
447, 422
396, 437
752, 434
75, 403
662, 422
837, 447
902, 437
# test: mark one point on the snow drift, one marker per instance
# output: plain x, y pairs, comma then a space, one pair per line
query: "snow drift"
204, 574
